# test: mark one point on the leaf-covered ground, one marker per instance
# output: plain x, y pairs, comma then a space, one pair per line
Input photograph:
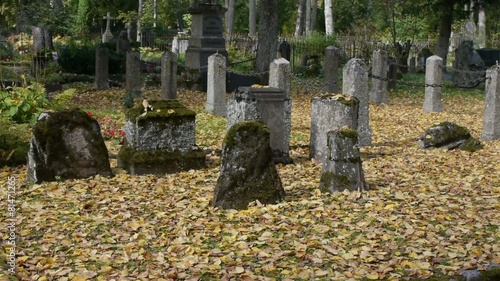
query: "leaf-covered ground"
429, 212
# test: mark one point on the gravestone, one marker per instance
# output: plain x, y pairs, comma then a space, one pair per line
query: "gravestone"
378, 93
107, 36
206, 34
392, 73
330, 113
412, 68
468, 66
343, 167
133, 74
355, 83
123, 44
169, 76
285, 50
422, 57
491, 123
266, 104
160, 138
449, 136
101, 67
66, 145
247, 171
180, 44
3, 41
331, 69
216, 88
434, 82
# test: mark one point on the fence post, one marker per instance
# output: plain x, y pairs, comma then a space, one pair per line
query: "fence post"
331, 66
169, 76
433, 84
378, 94
491, 125
355, 83
216, 85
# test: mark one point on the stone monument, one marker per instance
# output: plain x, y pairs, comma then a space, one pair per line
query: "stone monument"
107, 36
207, 33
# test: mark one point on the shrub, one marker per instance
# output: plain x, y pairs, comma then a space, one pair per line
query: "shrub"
80, 58
23, 104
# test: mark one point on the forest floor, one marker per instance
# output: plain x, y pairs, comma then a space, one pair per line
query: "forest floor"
427, 213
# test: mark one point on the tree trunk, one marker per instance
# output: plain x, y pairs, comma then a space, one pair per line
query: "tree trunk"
267, 45
308, 18
139, 16
301, 16
314, 12
230, 16
155, 13
445, 23
481, 23
329, 28
252, 17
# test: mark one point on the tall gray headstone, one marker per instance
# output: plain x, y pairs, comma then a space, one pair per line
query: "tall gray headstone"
169, 76
133, 74
491, 125
434, 82
279, 77
101, 67
355, 83
331, 69
216, 88
329, 113
378, 93
343, 167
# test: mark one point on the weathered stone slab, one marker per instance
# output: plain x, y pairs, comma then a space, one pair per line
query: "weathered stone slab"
160, 141
169, 76
101, 67
491, 123
66, 145
434, 82
355, 83
247, 170
133, 73
330, 113
343, 167
448, 135
216, 88
268, 105
378, 93
331, 69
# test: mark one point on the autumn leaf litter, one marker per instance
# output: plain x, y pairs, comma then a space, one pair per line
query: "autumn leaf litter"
428, 212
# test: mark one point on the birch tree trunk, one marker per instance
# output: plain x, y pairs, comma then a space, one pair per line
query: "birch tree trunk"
301, 16
481, 23
308, 18
230, 16
329, 27
139, 16
252, 17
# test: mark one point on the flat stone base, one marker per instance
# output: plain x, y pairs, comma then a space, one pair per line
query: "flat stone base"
162, 161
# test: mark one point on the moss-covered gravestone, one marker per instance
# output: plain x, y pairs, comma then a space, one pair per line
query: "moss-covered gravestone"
343, 167
66, 145
160, 140
448, 135
247, 170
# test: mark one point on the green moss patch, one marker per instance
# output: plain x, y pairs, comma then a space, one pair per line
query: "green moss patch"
161, 109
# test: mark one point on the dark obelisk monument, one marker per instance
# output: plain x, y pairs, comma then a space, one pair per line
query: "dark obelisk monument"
206, 33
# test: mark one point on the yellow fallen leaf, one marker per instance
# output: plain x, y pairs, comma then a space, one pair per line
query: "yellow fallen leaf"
238, 270
372, 276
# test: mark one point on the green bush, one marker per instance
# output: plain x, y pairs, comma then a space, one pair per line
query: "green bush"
23, 104
14, 142
79, 58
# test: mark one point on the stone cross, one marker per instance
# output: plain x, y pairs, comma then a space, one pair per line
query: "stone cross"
107, 36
